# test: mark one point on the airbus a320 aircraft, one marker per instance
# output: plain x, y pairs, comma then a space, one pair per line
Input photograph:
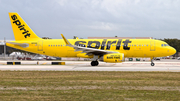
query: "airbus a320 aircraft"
107, 50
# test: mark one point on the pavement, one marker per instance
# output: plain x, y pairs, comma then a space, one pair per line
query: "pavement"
169, 66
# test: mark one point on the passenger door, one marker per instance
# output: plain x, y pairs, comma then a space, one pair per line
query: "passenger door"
152, 46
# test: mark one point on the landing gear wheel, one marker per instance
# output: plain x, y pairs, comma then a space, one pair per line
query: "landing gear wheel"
152, 64
97, 63
94, 63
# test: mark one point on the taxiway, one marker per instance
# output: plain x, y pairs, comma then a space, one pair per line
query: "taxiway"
85, 66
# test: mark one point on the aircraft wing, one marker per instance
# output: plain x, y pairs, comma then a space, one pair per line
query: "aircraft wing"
24, 45
88, 51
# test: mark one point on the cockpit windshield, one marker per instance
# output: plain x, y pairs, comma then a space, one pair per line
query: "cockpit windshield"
164, 45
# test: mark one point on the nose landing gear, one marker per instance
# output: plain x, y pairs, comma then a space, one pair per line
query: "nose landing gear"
152, 63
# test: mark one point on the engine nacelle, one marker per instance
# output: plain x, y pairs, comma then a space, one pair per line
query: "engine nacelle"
113, 58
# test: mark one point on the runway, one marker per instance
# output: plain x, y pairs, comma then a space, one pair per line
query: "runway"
85, 66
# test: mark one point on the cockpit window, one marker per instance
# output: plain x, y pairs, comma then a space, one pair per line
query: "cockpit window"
164, 45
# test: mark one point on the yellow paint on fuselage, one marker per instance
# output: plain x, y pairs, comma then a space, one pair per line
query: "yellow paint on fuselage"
58, 48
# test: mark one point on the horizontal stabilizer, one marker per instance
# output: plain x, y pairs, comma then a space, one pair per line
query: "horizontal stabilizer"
24, 45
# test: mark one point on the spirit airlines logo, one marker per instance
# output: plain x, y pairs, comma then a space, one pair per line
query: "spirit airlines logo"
20, 26
106, 43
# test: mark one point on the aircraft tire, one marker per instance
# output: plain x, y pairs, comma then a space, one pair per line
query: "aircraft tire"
152, 64
97, 63
94, 63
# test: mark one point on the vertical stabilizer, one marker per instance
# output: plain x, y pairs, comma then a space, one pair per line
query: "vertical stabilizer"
20, 29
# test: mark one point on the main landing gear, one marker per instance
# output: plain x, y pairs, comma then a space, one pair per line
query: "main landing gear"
152, 63
94, 63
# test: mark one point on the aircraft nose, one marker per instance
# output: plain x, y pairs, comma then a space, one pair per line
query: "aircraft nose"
172, 50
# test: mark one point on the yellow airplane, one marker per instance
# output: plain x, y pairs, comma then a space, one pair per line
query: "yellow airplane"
107, 50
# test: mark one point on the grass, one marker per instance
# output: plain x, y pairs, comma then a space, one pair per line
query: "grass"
89, 85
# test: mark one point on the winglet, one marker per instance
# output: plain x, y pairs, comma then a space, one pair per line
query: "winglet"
65, 40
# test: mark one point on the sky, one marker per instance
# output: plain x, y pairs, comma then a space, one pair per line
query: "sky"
94, 18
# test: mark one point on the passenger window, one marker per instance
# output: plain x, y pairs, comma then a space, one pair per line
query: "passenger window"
147, 45
137, 45
142, 45
134, 45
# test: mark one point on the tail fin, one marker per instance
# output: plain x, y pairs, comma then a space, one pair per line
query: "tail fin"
20, 29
